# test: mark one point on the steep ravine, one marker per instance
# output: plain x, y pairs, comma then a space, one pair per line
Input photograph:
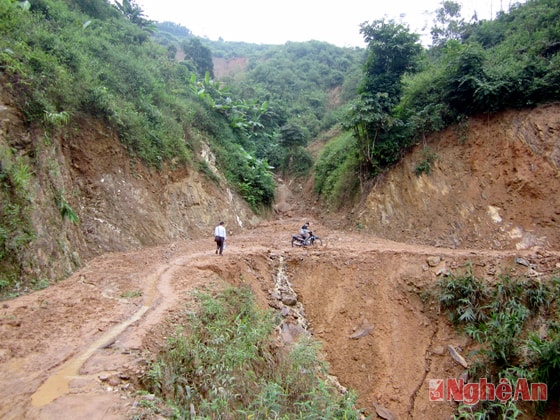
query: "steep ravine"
144, 240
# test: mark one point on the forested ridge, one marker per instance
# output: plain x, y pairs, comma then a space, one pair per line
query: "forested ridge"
392, 94
62, 60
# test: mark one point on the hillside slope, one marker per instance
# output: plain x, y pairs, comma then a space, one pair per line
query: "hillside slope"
120, 202
494, 184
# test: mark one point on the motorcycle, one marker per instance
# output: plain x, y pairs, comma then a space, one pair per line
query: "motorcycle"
311, 240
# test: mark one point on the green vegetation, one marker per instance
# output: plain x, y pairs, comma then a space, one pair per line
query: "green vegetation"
336, 172
64, 59
16, 230
515, 320
305, 86
380, 134
222, 360
155, 85
425, 166
66, 211
476, 67
131, 294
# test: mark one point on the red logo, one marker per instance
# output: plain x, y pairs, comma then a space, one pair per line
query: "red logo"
471, 393
436, 389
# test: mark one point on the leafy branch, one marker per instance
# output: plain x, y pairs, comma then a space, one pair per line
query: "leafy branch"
242, 114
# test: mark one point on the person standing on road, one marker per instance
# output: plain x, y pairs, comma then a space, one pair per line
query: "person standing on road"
220, 238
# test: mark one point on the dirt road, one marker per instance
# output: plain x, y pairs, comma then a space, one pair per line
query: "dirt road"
75, 349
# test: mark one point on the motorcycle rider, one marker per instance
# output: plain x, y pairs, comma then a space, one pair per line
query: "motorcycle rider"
306, 237
304, 230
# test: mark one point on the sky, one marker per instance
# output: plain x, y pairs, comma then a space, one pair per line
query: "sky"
335, 22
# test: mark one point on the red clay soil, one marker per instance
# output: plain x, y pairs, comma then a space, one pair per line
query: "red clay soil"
76, 349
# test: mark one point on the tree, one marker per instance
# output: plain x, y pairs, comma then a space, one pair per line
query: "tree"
292, 135
293, 141
98, 9
200, 56
392, 52
448, 23
134, 13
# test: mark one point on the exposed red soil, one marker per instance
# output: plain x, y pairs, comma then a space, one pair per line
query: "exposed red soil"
76, 349
353, 281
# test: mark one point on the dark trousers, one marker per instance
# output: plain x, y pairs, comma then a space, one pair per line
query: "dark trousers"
220, 244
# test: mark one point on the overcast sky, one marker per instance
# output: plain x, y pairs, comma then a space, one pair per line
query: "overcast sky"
276, 22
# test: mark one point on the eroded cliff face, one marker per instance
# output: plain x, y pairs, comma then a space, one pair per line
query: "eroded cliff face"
494, 183
124, 204
121, 204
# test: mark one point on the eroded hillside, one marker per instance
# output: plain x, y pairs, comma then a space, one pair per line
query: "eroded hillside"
494, 183
120, 203
79, 348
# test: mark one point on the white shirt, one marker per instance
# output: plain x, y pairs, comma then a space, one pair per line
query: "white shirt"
220, 231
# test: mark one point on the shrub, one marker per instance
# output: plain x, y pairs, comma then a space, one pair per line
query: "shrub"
544, 359
425, 166
463, 297
221, 361
500, 318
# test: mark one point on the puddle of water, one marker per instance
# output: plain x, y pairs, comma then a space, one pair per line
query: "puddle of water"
57, 384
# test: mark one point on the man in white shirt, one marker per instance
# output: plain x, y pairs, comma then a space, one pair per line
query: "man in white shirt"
220, 237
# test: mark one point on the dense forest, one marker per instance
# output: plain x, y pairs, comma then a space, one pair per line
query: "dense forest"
391, 95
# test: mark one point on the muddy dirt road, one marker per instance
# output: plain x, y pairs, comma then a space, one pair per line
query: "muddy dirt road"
75, 349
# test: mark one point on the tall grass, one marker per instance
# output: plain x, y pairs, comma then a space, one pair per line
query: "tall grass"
515, 322
16, 230
222, 363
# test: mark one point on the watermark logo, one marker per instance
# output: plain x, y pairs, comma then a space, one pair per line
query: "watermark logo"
453, 389
437, 390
